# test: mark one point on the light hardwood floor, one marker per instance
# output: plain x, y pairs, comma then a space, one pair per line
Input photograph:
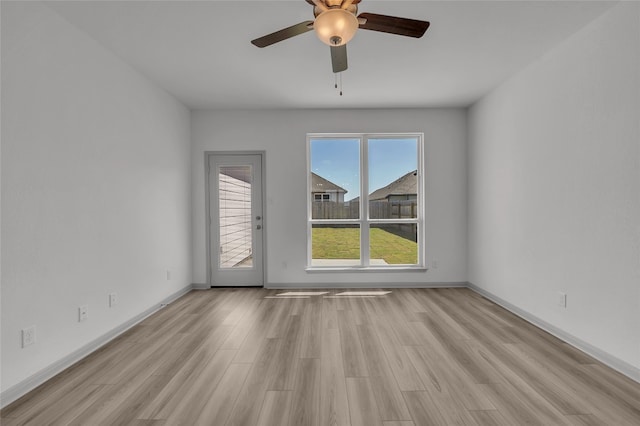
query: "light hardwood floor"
414, 357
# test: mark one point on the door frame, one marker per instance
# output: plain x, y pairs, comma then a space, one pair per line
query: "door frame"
208, 220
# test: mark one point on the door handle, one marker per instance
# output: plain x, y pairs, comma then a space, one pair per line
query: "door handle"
258, 217
258, 226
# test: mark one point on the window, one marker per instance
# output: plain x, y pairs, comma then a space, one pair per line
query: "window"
365, 201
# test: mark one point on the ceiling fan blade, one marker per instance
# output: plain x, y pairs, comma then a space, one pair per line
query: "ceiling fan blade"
283, 34
394, 25
339, 58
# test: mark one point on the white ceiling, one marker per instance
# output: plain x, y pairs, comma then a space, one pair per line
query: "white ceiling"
200, 51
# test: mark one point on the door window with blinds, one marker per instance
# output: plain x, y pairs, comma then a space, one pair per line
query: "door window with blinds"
365, 201
234, 205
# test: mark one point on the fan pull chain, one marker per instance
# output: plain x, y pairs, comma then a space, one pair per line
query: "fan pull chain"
338, 82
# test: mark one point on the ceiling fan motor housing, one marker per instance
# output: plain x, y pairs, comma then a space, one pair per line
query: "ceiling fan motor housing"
333, 4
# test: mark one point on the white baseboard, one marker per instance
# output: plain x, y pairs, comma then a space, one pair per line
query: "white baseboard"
334, 285
617, 364
16, 391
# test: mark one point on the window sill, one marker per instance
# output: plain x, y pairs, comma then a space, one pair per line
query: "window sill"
320, 269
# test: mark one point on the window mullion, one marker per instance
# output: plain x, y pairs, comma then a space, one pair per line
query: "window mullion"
364, 203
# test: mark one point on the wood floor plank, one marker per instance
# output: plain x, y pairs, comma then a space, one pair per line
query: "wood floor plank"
123, 389
584, 420
457, 349
391, 314
489, 418
615, 385
240, 332
437, 314
329, 314
244, 309
555, 391
184, 381
424, 410
334, 408
442, 376
275, 408
127, 411
84, 396
517, 407
44, 397
245, 410
285, 363
403, 369
121, 369
409, 306
412, 357
311, 329
188, 397
305, 410
353, 356
218, 406
279, 311
387, 393
593, 391
362, 402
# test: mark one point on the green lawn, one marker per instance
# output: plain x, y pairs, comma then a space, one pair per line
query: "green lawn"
344, 243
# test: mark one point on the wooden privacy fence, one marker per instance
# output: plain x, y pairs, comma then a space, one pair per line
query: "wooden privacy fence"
393, 209
405, 209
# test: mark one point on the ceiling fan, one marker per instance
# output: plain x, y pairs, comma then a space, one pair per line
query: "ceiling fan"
336, 23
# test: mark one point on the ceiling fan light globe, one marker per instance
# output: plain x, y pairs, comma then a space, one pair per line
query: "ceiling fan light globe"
336, 25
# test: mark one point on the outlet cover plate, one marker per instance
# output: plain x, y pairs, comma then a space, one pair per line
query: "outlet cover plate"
113, 300
28, 336
83, 313
562, 299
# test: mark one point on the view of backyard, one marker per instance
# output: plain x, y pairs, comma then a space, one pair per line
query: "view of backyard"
388, 208
344, 243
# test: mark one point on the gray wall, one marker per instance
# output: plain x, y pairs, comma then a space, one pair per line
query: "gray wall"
554, 186
282, 134
95, 190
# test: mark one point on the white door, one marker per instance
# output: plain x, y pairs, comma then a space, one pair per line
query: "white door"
235, 209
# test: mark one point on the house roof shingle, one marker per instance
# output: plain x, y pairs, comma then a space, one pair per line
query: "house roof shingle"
407, 184
320, 184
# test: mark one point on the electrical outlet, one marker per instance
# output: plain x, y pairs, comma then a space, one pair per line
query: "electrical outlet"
113, 300
434, 264
168, 275
28, 336
83, 313
562, 299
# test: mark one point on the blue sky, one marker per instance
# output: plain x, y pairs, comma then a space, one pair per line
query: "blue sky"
338, 160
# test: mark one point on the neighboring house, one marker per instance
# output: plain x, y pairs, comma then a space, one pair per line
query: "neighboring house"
324, 190
402, 189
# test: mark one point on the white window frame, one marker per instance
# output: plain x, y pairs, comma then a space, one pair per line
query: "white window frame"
364, 222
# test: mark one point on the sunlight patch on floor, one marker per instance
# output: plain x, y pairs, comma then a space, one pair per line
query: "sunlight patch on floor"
346, 297
287, 297
363, 293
